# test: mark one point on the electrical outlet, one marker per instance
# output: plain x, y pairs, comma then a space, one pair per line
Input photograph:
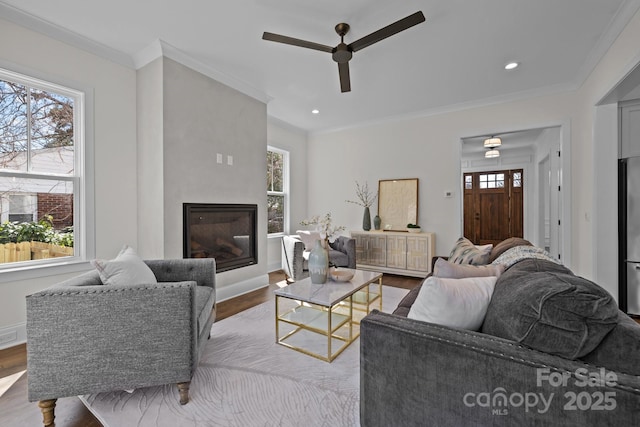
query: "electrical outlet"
448, 193
230, 160
219, 158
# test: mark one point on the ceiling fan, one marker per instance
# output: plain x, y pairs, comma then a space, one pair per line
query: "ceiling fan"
342, 53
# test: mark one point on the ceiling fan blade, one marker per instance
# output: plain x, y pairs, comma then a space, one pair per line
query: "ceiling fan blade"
345, 81
388, 31
295, 42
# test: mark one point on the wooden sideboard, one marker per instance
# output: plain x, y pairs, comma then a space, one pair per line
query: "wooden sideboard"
407, 254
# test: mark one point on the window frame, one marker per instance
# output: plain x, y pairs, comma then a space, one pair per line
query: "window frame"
285, 191
82, 178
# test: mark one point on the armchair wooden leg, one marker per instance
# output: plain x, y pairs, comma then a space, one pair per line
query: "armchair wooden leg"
47, 407
183, 389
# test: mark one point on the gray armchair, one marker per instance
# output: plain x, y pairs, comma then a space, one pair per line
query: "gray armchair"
342, 253
85, 337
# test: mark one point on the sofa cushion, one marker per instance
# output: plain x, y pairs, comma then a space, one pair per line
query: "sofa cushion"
126, 269
465, 252
446, 269
557, 313
507, 244
339, 259
616, 348
457, 303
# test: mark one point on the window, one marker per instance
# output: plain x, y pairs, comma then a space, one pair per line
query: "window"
277, 190
517, 179
492, 180
468, 182
40, 142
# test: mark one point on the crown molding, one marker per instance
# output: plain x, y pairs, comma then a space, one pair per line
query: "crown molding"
155, 50
161, 48
286, 125
63, 35
147, 55
623, 16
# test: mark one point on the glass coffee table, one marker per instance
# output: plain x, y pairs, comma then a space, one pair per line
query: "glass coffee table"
322, 320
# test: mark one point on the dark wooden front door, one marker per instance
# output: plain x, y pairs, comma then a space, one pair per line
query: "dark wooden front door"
493, 206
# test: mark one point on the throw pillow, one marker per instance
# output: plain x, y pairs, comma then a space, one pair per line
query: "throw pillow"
457, 303
556, 313
465, 252
126, 269
446, 269
520, 253
309, 238
507, 244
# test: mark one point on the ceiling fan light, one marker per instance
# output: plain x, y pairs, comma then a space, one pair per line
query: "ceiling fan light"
492, 154
492, 142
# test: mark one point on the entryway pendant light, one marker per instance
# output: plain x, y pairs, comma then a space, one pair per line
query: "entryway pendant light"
491, 154
492, 142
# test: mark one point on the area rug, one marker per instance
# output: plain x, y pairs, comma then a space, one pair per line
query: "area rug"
245, 379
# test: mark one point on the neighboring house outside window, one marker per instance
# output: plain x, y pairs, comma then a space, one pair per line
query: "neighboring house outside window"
40, 171
18, 207
277, 190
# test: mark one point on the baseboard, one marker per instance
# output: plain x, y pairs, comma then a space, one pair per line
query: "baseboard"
274, 266
240, 288
13, 335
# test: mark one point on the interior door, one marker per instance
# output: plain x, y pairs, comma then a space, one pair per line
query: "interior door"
493, 206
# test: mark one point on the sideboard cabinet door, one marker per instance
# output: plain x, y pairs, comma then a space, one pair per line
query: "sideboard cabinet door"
418, 253
397, 252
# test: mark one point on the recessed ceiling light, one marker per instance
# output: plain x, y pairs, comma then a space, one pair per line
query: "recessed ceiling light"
511, 66
315, 111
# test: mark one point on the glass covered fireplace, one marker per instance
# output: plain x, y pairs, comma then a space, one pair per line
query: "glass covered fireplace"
221, 231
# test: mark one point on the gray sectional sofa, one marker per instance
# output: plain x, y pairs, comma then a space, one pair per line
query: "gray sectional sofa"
554, 350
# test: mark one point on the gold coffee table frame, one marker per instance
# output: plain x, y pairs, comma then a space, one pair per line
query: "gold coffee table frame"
322, 320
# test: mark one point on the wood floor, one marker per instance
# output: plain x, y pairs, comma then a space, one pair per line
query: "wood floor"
15, 410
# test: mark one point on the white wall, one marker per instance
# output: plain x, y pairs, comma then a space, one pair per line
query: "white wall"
113, 90
619, 61
428, 148
150, 159
201, 118
293, 140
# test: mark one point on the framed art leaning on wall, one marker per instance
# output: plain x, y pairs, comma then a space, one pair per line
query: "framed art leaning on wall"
398, 203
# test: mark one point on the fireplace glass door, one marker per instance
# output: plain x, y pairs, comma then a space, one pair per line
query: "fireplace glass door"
225, 232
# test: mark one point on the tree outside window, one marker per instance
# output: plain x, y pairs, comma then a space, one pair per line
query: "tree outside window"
37, 169
277, 170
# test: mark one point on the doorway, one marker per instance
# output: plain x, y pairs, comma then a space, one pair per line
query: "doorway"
545, 172
544, 208
493, 205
